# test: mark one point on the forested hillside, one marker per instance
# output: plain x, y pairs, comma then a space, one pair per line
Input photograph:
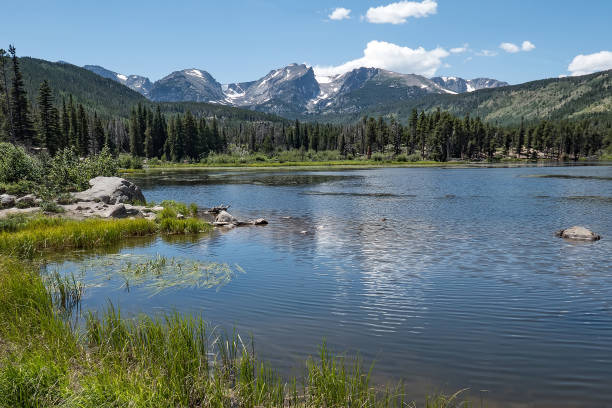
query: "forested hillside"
582, 97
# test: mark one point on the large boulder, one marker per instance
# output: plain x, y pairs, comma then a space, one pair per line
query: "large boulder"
111, 190
225, 217
578, 233
7, 201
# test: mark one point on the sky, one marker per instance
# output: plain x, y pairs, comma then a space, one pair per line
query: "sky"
514, 41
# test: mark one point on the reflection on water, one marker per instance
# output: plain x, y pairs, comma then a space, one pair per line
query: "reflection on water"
447, 278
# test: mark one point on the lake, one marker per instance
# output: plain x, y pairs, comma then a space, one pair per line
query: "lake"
446, 278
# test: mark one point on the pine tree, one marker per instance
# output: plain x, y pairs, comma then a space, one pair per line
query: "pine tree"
98, 133
83, 135
520, 140
65, 126
135, 141
5, 99
191, 136
73, 138
48, 119
23, 128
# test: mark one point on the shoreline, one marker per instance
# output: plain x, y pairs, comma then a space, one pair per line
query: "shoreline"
359, 165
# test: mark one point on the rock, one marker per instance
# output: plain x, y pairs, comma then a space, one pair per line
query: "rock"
260, 221
26, 201
157, 208
115, 211
225, 218
7, 201
111, 190
180, 216
578, 233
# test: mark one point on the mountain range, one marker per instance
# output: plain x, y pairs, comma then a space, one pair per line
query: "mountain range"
295, 90
345, 98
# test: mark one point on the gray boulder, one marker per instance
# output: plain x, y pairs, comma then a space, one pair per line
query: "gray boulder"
111, 190
7, 201
115, 211
578, 233
225, 218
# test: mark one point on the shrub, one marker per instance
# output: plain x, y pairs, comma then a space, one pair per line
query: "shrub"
20, 188
415, 157
17, 165
127, 161
378, 157
401, 158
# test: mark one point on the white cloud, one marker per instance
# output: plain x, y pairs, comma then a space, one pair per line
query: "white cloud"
509, 47
486, 53
527, 46
459, 50
340, 13
587, 64
381, 54
397, 13
513, 48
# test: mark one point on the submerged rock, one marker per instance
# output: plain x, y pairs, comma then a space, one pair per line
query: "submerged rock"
111, 190
578, 233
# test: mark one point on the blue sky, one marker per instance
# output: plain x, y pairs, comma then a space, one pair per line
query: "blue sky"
244, 40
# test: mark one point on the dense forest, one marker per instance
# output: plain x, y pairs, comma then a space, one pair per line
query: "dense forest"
54, 120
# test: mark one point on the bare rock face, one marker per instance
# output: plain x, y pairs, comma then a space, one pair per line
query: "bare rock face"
578, 233
111, 190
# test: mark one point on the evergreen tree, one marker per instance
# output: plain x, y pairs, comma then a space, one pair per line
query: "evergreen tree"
48, 119
83, 135
99, 136
65, 126
23, 128
5, 99
191, 136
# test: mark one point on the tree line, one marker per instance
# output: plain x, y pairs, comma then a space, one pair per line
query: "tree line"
434, 135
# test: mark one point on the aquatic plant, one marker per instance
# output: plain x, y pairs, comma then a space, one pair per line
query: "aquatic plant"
160, 273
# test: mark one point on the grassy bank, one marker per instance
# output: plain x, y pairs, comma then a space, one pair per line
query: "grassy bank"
27, 236
172, 361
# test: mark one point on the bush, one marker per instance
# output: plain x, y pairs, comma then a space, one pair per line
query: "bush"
415, 157
20, 188
378, 157
68, 172
401, 158
127, 161
16, 165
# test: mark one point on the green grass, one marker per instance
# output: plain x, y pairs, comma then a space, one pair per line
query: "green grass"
169, 361
72, 234
28, 236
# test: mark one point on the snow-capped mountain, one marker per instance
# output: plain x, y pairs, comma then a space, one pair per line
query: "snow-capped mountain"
136, 82
194, 85
297, 90
460, 85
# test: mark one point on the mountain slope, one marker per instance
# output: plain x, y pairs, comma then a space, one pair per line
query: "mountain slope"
555, 98
106, 96
138, 83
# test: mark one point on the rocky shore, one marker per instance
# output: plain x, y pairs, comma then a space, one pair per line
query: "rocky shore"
110, 197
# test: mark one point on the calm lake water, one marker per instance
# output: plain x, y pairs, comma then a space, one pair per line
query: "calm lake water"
463, 285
